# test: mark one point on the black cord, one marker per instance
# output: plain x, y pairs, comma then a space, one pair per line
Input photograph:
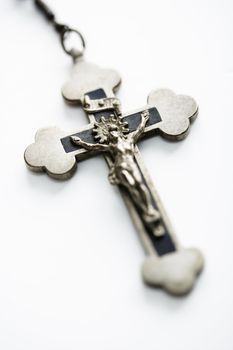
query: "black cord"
50, 16
62, 29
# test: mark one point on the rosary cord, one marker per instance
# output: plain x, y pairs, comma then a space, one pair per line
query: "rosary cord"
62, 29
50, 16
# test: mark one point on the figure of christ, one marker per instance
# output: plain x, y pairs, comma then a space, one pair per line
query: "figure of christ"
124, 170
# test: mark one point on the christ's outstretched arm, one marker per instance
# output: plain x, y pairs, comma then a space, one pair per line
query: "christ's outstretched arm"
141, 127
89, 146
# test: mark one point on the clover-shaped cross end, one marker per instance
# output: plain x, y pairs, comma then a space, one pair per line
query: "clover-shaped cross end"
176, 111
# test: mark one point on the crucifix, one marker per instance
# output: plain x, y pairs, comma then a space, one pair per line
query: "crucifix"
115, 135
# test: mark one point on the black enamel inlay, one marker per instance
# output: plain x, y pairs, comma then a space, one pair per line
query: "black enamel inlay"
96, 94
163, 244
85, 135
133, 121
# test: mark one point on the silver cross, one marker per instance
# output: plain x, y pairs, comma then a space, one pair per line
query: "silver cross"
116, 134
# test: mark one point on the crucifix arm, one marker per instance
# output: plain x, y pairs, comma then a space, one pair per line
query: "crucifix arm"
88, 146
141, 127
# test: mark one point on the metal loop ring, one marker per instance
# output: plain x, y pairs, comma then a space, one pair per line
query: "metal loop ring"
73, 52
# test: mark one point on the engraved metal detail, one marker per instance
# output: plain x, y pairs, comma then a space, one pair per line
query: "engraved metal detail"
114, 137
108, 103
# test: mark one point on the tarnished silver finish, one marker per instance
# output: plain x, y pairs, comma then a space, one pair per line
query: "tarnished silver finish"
177, 269
175, 272
88, 77
47, 154
177, 112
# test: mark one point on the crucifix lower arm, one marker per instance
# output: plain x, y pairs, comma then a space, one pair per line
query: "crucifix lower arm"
116, 134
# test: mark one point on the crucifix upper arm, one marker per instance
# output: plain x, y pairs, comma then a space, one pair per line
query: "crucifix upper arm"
141, 127
89, 146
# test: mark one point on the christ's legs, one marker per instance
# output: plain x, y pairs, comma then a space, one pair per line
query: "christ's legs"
130, 177
150, 214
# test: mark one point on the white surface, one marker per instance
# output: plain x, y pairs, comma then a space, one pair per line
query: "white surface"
69, 255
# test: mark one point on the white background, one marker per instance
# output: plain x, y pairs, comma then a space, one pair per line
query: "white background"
69, 255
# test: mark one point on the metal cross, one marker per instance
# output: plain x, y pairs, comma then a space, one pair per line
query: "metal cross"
115, 134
